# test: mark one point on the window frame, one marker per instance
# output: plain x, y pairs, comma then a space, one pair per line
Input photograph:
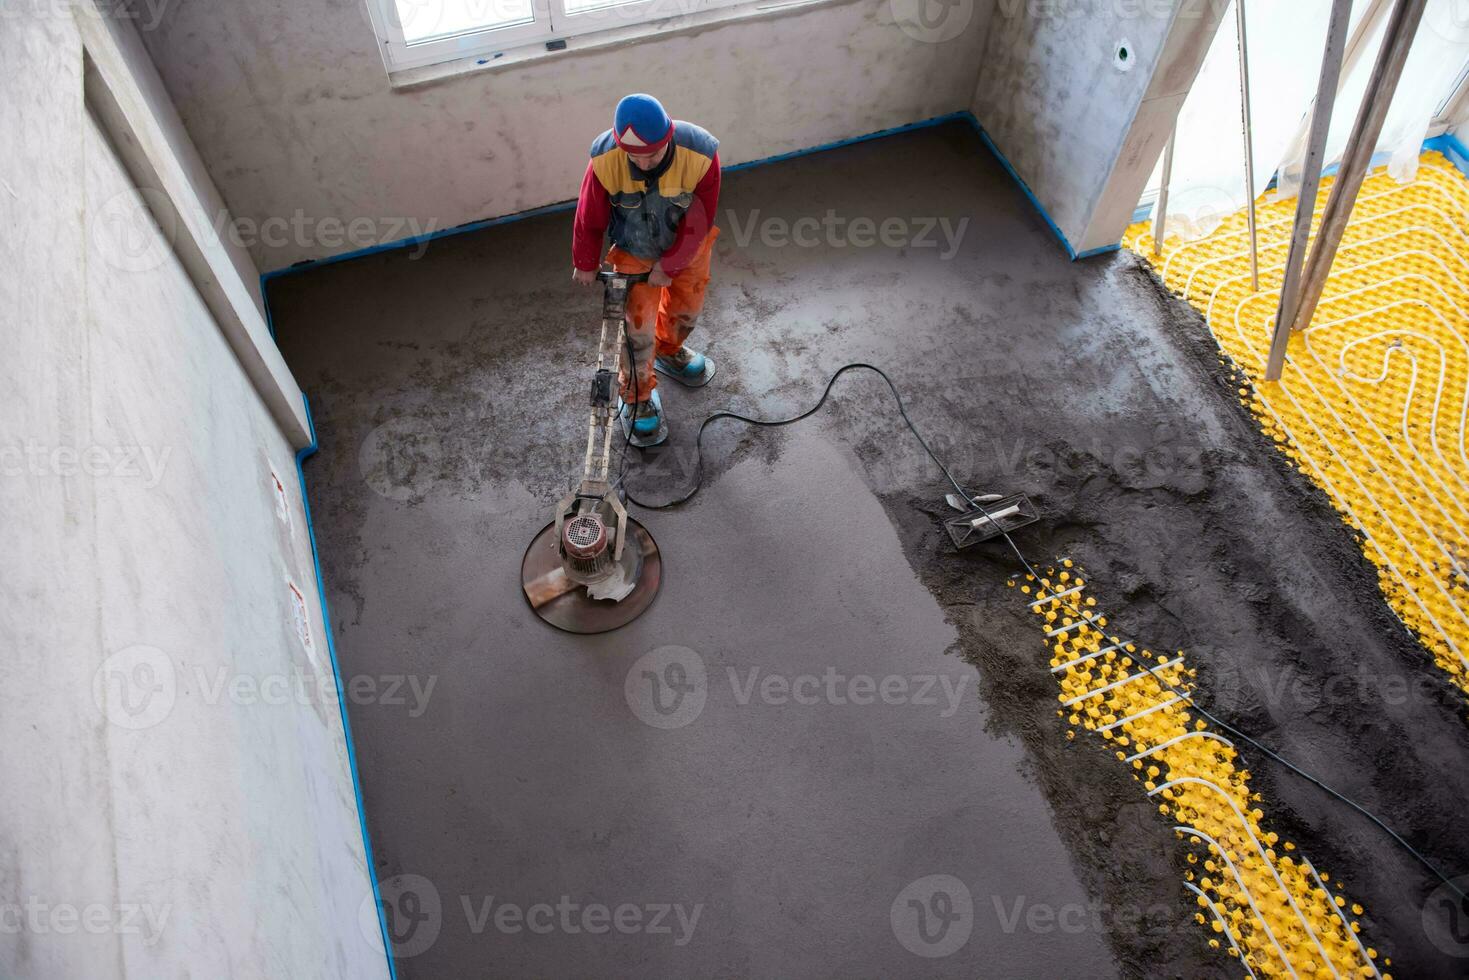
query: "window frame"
630, 13
399, 54
1454, 108
552, 22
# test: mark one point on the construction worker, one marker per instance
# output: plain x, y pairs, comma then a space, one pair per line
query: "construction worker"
652, 187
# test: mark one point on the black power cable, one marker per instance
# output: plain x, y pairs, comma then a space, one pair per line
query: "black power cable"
637, 405
773, 423
1185, 696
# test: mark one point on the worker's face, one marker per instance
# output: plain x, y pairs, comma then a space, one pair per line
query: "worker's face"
647, 161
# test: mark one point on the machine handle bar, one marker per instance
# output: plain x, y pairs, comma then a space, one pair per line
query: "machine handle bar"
607, 275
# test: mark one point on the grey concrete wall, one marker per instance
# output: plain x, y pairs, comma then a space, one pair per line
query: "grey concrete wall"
171, 807
293, 112
1083, 131
126, 95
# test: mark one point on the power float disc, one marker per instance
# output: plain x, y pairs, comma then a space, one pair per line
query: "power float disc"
565, 604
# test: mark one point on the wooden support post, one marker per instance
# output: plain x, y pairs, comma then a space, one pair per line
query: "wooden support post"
1331, 61
1397, 40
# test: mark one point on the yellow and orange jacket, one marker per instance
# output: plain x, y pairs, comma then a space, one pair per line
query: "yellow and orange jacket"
662, 214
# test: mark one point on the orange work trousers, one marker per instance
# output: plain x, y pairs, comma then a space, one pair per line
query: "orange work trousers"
660, 318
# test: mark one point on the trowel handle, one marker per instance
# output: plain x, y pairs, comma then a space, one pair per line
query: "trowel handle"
995, 516
607, 275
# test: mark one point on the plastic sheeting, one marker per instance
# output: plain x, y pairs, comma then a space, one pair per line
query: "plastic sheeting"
1286, 38
1439, 53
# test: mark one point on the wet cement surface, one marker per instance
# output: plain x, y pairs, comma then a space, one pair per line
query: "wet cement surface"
448, 397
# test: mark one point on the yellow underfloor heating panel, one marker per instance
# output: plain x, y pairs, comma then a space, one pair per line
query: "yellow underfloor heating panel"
1258, 898
1373, 401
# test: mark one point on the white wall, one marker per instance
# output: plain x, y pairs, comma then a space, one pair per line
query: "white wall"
152, 822
293, 112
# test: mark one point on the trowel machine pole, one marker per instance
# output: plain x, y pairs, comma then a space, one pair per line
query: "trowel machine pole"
596, 469
594, 496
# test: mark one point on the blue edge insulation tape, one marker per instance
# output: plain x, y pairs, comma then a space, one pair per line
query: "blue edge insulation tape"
1447, 144
331, 646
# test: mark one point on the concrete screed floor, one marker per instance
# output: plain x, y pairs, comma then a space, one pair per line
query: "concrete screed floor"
802, 828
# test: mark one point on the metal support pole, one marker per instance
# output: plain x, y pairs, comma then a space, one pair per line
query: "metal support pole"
1244, 100
1397, 40
1160, 210
1331, 59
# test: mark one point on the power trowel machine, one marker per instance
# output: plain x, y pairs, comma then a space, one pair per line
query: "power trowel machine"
594, 568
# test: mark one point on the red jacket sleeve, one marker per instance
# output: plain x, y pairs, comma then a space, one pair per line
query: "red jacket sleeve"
593, 212
696, 221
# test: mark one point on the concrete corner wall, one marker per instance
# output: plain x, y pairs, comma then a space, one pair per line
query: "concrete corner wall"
126, 96
294, 114
170, 805
1081, 128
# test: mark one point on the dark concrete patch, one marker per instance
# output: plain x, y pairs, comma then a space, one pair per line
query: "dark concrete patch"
448, 398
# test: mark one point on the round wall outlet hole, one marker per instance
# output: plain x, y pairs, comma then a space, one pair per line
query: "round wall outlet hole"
1124, 59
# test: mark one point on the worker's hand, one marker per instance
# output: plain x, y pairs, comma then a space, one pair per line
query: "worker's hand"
657, 277
585, 277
